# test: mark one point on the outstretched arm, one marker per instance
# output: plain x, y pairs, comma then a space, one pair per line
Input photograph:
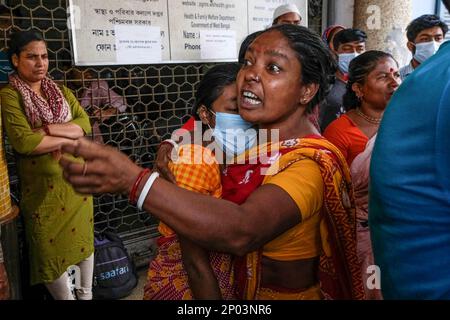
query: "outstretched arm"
215, 224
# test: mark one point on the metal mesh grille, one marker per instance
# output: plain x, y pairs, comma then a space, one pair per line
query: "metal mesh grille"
157, 98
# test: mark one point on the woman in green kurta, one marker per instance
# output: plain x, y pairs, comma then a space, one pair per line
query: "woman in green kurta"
38, 117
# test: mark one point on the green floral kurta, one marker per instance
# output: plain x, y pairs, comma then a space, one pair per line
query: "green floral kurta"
58, 221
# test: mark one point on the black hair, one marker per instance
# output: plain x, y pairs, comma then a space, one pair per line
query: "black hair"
212, 85
424, 22
317, 63
359, 69
19, 40
245, 44
349, 35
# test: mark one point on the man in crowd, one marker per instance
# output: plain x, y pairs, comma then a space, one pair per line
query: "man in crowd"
425, 35
347, 45
287, 14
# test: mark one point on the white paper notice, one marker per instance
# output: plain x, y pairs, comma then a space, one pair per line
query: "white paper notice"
138, 45
218, 44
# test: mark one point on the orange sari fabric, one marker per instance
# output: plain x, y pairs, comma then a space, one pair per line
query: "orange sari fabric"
167, 279
339, 270
196, 170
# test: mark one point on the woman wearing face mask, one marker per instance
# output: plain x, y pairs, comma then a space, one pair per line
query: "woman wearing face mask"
183, 270
163, 156
279, 221
373, 79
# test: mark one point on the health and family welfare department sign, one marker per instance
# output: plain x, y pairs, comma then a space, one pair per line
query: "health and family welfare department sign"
117, 32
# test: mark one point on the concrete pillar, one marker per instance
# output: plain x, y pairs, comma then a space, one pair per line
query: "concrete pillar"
385, 22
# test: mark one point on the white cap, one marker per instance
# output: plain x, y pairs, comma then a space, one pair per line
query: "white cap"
285, 8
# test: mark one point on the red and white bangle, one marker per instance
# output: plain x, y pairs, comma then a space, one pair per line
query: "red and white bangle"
132, 196
146, 189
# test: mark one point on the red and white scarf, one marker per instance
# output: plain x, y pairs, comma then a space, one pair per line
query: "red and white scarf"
38, 110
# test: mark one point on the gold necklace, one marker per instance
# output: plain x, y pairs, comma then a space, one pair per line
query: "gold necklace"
368, 118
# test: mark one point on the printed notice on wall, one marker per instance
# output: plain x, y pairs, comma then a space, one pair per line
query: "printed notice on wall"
93, 27
218, 44
138, 45
188, 19
189, 30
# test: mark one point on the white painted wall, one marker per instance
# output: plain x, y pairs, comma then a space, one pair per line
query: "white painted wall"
420, 7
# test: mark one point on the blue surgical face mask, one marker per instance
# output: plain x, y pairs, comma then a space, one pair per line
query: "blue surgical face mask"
426, 50
233, 134
344, 60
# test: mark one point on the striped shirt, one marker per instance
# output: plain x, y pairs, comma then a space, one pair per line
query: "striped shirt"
406, 71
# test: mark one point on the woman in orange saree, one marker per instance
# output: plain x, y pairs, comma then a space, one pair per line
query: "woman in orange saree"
304, 202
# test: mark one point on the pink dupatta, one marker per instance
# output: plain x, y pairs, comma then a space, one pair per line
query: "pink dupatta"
360, 171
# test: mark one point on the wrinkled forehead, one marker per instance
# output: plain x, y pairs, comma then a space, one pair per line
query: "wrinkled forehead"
37, 46
384, 65
271, 42
387, 64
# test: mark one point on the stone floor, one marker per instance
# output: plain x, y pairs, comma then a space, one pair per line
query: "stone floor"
138, 292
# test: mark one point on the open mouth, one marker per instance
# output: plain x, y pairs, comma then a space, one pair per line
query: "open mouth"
250, 98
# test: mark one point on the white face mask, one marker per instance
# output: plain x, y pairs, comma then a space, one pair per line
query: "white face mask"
344, 60
233, 134
426, 50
